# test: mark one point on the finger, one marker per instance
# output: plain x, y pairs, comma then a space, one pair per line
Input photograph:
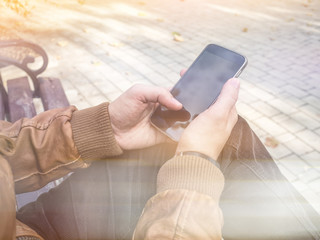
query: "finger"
182, 72
228, 96
166, 99
158, 95
169, 88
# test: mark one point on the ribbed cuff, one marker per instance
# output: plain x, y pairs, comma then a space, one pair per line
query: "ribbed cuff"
191, 173
93, 134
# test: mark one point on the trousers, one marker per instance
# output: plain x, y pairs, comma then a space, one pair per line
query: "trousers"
106, 200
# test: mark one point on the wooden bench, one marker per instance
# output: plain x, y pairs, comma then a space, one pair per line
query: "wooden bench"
17, 101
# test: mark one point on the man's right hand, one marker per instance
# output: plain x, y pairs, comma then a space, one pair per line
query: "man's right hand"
209, 132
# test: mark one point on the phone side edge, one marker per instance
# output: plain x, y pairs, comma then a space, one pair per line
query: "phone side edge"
245, 63
163, 132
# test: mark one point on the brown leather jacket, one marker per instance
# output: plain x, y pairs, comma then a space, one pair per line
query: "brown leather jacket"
36, 151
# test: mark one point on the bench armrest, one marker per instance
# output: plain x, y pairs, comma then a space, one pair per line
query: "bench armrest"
26, 60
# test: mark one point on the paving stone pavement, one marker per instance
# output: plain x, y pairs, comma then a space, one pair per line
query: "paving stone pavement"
100, 48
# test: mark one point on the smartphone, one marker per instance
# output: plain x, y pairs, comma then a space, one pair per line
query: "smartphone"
198, 88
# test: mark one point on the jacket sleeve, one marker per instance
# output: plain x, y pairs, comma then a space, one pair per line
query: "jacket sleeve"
55, 142
186, 205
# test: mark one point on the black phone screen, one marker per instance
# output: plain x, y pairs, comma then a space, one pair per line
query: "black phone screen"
198, 88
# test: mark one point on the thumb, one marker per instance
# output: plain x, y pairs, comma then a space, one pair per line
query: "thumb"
159, 95
229, 95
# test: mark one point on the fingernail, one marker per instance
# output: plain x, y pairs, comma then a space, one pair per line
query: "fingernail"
235, 82
176, 102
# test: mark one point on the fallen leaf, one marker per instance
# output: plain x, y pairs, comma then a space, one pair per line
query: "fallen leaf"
116, 44
245, 29
62, 43
142, 14
86, 30
142, 3
19, 23
177, 37
160, 19
271, 142
96, 63
81, 2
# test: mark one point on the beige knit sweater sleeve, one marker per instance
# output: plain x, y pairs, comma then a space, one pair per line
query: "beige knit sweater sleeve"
186, 205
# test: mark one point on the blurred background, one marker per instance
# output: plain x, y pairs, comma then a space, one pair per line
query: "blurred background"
99, 49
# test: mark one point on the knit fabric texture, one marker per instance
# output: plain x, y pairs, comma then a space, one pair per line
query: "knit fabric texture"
93, 133
191, 173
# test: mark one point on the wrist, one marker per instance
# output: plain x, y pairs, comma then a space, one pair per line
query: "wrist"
113, 117
201, 148
199, 154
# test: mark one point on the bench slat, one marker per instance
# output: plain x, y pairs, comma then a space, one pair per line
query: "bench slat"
52, 93
20, 99
3, 100
2, 108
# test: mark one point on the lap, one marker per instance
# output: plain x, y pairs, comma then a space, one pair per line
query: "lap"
106, 200
257, 199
